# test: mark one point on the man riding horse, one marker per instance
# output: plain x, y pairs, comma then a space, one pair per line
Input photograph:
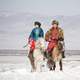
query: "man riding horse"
36, 33
53, 36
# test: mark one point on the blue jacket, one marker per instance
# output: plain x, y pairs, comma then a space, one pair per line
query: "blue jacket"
36, 33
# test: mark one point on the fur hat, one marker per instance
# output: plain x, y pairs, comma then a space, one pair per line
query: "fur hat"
55, 22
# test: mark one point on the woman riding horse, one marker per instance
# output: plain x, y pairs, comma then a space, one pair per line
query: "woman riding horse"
36, 33
53, 37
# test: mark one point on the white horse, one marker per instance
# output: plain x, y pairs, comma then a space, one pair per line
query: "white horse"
38, 54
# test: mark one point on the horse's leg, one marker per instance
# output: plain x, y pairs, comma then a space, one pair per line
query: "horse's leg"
36, 64
40, 68
31, 61
49, 63
60, 63
54, 65
54, 53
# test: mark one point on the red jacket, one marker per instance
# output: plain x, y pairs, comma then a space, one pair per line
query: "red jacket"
52, 37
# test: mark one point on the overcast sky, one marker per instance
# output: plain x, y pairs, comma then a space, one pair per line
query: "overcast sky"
12, 27
46, 7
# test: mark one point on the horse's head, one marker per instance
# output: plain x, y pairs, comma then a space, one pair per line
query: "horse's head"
40, 44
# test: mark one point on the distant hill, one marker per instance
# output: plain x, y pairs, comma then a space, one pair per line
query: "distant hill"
11, 52
15, 28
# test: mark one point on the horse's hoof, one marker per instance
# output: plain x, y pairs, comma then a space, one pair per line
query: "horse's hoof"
61, 69
33, 70
51, 69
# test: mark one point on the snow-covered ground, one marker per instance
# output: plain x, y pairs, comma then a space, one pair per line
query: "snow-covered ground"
18, 68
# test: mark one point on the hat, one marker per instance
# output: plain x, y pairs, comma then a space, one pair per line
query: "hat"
55, 22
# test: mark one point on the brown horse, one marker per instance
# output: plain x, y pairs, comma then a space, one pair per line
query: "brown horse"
56, 55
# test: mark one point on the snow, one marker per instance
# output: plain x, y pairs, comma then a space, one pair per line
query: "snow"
20, 70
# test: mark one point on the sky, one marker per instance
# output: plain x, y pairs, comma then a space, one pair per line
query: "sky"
13, 28
45, 7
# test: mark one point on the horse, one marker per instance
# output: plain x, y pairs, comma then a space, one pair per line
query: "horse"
38, 54
56, 56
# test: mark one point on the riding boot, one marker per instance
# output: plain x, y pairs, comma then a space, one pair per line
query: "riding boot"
63, 56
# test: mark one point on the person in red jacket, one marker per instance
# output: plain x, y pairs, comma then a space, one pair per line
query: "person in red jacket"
53, 35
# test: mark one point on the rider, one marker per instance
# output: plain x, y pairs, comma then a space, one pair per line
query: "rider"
36, 33
54, 35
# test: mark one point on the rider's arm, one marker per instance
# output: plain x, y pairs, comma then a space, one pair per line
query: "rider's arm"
47, 35
41, 33
31, 35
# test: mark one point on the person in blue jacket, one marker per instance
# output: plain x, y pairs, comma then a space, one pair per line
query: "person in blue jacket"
36, 33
